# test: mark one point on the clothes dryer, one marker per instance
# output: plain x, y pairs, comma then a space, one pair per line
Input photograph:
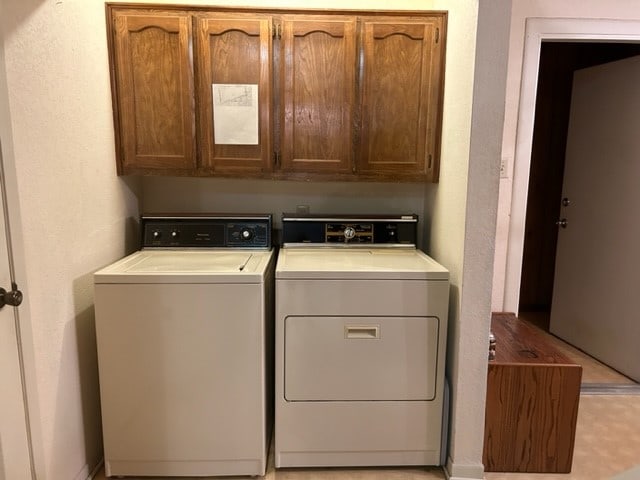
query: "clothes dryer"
361, 321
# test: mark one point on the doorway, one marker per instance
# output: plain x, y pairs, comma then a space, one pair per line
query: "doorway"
558, 61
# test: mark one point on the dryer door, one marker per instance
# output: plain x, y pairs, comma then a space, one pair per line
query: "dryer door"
353, 358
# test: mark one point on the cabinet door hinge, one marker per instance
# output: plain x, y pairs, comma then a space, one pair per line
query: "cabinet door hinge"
437, 34
430, 161
277, 31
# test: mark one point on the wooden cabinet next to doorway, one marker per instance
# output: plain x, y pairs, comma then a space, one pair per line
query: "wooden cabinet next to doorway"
340, 96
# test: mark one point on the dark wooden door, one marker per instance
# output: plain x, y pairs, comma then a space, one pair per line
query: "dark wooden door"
234, 53
401, 86
155, 124
318, 93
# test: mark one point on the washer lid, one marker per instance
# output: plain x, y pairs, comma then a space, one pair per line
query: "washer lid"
183, 266
360, 263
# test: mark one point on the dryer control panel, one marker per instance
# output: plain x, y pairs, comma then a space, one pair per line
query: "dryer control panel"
206, 231
387, 230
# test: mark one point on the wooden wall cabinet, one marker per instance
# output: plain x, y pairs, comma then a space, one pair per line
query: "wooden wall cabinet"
341, 96
318, 95
153, 90
401, 82
234, 49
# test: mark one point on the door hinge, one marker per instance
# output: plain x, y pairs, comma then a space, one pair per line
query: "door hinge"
430, 162
437, 34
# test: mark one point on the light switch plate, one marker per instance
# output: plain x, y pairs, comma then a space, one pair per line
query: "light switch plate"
504, 166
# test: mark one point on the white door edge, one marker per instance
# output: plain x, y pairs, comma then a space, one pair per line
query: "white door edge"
16, 454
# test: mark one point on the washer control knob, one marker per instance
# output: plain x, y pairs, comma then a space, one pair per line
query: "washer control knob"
156, 234
175, 234
246, 234
349, 233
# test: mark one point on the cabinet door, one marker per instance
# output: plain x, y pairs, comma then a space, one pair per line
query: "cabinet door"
401, 96
317, 98
153, 91
234, 57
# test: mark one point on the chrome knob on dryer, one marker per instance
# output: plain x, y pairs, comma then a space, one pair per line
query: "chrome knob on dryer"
349, 233
246, 234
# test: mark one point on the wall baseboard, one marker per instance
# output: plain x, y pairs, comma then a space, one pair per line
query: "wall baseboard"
456, 471
88, 474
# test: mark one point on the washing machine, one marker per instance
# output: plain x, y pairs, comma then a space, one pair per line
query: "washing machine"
183, 330
361, 321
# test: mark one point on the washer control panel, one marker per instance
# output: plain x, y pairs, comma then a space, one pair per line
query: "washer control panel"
206, 231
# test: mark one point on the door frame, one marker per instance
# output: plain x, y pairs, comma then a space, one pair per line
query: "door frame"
538, 30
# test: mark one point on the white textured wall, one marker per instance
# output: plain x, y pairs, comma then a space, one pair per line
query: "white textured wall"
468, 337
523, 9
76, 213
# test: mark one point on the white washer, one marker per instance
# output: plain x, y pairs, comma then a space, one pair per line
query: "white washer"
184, 341
360, 344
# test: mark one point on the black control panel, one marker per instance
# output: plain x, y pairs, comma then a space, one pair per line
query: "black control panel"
354, 229
206, 231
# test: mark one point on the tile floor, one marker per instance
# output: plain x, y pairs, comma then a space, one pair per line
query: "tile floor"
607, 439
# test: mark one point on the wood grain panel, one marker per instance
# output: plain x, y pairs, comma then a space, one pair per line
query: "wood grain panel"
533, 392
234, 49
530, 418
318, 98
155, 90
400, 97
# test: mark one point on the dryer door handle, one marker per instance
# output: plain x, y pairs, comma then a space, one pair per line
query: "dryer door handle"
362, 331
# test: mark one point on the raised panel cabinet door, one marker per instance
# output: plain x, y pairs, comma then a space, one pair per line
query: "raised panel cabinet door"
318, 93
153, 90
401, 97
234, 62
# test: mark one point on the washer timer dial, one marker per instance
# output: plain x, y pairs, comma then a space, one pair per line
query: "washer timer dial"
246, 234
